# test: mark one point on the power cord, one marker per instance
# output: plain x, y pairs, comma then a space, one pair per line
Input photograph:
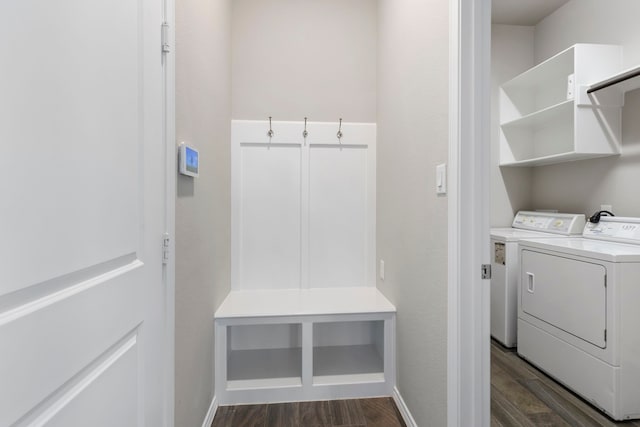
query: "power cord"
595, 218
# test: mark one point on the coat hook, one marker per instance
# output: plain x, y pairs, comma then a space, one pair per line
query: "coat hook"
339, 134
305, 133
270, 133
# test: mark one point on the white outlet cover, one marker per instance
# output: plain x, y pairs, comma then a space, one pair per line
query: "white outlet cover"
441, 178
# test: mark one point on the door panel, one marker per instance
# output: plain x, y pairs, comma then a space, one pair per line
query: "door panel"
44, 337
70, 126
82, 174
566, 293
84, 399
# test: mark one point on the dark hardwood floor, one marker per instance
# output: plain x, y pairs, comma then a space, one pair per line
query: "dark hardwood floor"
521, 395
378, 412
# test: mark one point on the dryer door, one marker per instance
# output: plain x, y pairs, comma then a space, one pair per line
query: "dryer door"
566, 293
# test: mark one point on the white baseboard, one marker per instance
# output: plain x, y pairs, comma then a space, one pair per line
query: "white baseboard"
211, 413
402, 407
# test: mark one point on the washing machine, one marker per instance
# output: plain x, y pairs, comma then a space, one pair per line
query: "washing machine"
504, 263
579, 312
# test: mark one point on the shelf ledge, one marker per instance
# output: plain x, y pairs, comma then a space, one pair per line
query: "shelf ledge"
556, 158
375, 377
264, 383
304, 302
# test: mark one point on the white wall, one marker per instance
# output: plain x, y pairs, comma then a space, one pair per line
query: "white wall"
511, 54
203, 212
582, 186
411, 220
295, 58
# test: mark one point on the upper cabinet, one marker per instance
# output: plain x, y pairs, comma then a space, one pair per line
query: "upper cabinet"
547, 116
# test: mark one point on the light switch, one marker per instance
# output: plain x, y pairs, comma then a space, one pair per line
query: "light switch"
441, 179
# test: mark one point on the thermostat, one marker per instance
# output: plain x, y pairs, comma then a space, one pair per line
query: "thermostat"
188, 159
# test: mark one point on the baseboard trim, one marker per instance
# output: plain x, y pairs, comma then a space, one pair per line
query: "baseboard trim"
211, 413
402, 407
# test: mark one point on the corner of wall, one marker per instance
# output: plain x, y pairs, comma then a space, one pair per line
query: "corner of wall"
412, 117
203, 212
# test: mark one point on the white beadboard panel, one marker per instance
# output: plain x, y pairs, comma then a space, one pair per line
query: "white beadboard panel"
337, 216
303, 209
270, 216
341, 205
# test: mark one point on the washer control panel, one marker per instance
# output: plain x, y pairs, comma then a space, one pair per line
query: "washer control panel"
556, 223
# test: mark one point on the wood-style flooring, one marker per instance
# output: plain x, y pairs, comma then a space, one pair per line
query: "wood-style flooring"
378, 412
522, 395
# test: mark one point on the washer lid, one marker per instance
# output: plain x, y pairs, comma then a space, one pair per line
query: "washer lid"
514, 234
588, 248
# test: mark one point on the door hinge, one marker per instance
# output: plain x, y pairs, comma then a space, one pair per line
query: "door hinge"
605, 280
605, 335
486, 271
166, 245
165, 38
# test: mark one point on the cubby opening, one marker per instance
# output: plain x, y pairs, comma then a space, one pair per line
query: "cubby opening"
348, 352
264, 356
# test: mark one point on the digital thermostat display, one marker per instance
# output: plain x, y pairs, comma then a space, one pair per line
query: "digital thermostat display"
188, 160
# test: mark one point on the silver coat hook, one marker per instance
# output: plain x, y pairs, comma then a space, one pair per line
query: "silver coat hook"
270, 133
305, 133
339, 134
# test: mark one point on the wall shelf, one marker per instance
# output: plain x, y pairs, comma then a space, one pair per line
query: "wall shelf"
546, 116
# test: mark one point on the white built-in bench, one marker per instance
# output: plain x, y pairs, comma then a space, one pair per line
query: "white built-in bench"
304, 344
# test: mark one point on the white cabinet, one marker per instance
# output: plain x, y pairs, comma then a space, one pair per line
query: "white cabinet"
546, 115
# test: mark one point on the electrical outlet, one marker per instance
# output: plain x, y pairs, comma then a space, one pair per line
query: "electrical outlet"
606, 208
382, 269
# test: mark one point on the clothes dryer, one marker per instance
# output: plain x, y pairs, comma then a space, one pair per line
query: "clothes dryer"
504, 263
578, 312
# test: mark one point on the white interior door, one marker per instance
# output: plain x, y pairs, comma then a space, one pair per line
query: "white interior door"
82, 214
